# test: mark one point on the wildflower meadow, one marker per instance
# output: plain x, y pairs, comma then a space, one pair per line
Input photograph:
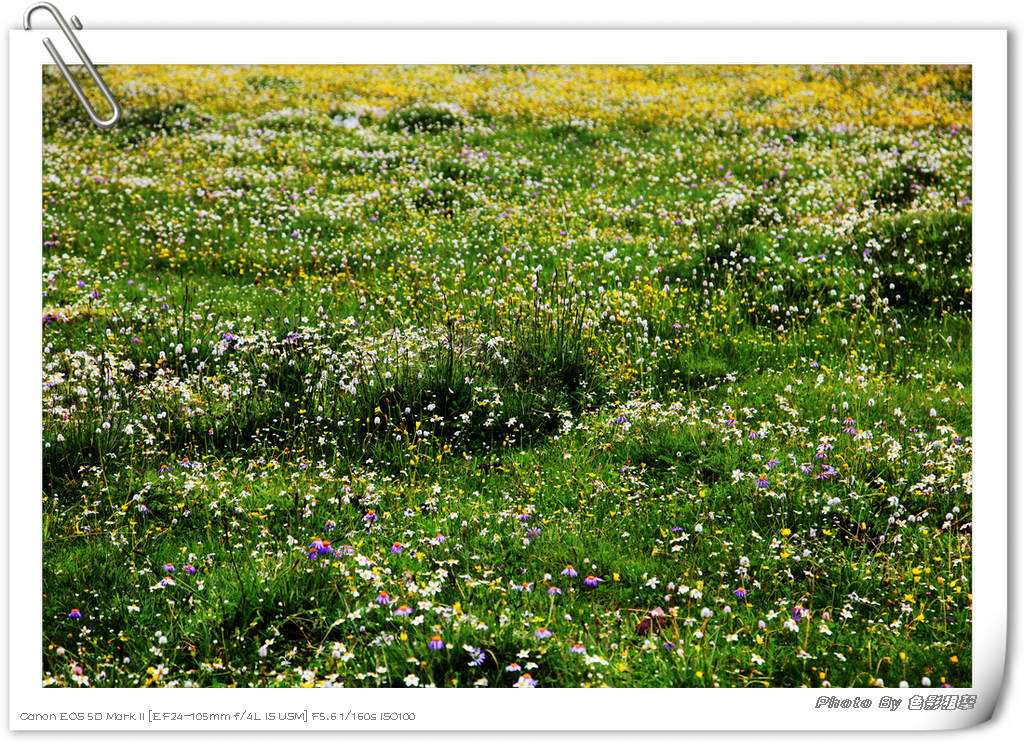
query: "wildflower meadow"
534, 377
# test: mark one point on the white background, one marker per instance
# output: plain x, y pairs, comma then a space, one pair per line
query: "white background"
634, 14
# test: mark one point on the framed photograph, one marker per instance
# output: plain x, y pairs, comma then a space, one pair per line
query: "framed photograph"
439, 365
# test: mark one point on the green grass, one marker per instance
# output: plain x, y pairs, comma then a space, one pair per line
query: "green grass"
470, 347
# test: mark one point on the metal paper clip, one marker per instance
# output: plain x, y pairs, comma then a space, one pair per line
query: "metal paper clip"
89, 66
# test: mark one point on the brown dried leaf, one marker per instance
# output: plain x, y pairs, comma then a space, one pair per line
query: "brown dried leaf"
653, 622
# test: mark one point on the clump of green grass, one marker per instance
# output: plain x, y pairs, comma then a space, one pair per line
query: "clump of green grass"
423, 118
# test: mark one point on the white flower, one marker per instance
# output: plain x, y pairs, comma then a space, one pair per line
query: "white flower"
411, 680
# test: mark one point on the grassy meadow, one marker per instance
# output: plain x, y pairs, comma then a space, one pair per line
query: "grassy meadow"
508, 376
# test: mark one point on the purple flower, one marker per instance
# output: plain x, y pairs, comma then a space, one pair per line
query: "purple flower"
168, 568
762, 481
740, 592
826, 472
622, 420
513, 667
577, 648
554, 590
383, 598
75, 613
328, 526
371, 517
542, 633
396, 548
569, 571
190, 569
436, 643
402, 610
592, 581
772, 463
525, 681
319, 547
